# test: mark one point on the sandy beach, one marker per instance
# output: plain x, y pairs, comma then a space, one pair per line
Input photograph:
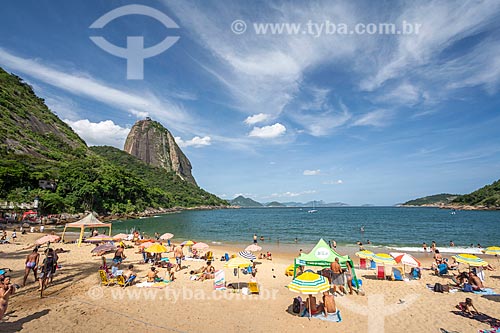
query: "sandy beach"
76, 301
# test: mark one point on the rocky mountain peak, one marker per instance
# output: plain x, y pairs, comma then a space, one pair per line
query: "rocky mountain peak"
152, 143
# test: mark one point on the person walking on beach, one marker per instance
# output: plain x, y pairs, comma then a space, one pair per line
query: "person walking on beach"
31, 264
255, 238
178, 257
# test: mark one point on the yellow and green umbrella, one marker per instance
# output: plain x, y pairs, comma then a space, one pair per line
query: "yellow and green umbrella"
309, 283
188, 243
492, 250
237, 262
365, 254
156, 248
470, 259
384, 259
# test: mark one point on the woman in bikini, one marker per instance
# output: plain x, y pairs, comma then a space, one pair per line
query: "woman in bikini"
6, 289
31, 264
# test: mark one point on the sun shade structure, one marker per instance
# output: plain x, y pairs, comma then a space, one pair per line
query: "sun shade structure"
470, 259
90, 221
104, 247
200, 246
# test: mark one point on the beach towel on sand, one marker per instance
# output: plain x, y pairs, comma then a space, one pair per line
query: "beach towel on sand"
485, 291
333, 317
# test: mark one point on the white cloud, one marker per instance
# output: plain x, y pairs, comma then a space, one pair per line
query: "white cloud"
333, 182
194, 142
291, 194
377, 118
83, 84
312, 172
101, 133
256, 118
268, 132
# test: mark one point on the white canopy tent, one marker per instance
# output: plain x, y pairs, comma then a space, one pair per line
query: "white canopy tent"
90, 221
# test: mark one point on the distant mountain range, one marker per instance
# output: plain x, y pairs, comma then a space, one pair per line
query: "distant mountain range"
241, 201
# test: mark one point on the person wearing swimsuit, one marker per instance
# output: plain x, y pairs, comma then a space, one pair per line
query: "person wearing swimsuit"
31, 264
6, 290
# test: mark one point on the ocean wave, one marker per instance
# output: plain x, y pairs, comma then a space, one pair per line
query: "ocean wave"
456, 249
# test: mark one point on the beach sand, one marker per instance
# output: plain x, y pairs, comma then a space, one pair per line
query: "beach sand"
76, 301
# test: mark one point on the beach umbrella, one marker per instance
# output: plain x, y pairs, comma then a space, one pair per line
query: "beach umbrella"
200, 246
406, 259
104, 247
247, 255
365, 254
156, 248
492, 250
470, 259
384, 259
120, 236
46, 239
99, 238
146, 244
237, 263
166, 236
253, 248
309, 283
188, 243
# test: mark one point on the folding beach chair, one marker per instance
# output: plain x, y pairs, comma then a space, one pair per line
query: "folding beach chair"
219, 280
120, 280
397, 274
210, 256
362, 263
381, 272
373, 264
253, 287
105, 280
442, 269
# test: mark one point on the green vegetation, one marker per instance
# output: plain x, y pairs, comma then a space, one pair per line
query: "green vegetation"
443, 198
275, 204
488, 196
36, 145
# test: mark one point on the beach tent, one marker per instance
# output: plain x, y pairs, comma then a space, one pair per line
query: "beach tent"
90, 221
322, 255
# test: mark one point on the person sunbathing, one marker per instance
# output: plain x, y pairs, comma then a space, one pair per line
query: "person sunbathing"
312, 307
207, 272
475, 281
329, 305
152, 275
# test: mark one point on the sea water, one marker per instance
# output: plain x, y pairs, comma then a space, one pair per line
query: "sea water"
398, 228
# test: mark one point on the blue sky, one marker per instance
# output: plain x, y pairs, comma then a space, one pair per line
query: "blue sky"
357, 118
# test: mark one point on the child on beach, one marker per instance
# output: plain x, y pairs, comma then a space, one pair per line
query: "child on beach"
466, 306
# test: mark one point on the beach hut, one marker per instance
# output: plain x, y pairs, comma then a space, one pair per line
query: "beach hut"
90, 221
322, 255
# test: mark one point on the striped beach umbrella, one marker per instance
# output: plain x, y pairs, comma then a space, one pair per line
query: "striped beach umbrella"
309, 283
247, 255
470, 259
188, 243
492, 250
384, 259
365, 254
253, 248
237, 262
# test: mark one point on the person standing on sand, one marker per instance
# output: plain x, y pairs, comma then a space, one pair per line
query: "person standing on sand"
6, 290
178, 257
31, 264
255, 238
337, 276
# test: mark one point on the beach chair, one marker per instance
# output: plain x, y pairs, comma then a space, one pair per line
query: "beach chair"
220, 280
120, 280
105, 280
397, 274
381, 272
362, 263
129, 281
373, 264
226, 256
253, 287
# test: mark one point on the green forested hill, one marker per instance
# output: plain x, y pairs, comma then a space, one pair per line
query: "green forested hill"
36, 145
488, 196
443, 198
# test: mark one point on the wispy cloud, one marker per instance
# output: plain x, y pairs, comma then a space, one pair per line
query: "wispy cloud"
377, 118
256, 118
333, 182
312, 172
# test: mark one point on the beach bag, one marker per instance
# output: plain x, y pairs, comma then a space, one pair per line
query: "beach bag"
467, 288
297, 301
438, 288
